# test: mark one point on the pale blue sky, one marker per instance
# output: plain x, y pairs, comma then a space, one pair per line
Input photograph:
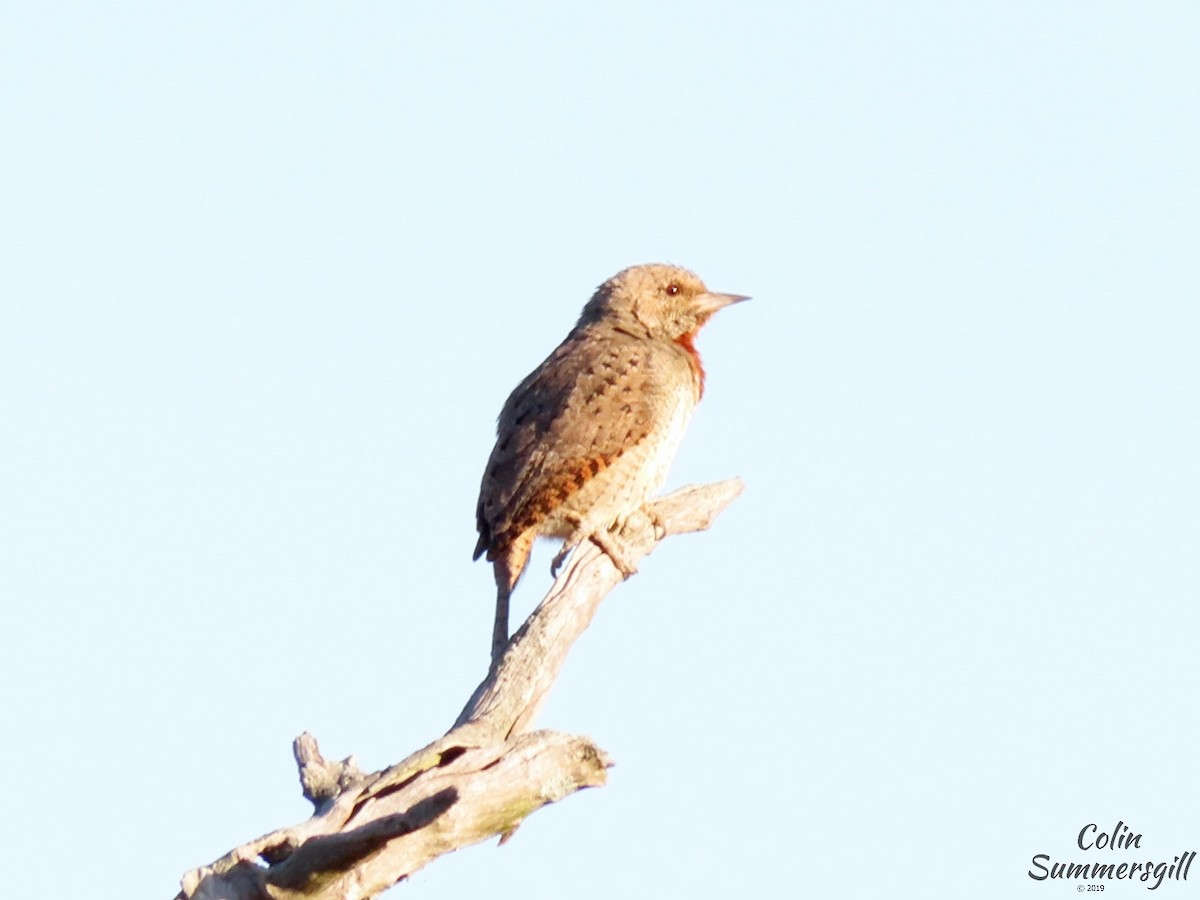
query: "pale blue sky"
269, 271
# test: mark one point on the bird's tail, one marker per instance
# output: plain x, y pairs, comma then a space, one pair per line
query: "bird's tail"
507, 564
500, 625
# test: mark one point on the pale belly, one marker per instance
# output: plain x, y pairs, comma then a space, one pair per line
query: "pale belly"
613, 494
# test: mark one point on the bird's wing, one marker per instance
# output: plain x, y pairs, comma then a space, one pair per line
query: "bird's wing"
578, 412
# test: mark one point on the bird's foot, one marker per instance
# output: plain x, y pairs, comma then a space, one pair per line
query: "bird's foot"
656, 521
558, 560
608, 541
616, 550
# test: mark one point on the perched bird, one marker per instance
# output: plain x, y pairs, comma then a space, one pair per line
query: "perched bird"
588, 436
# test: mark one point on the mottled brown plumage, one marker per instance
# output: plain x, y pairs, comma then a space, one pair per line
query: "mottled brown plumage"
588, 436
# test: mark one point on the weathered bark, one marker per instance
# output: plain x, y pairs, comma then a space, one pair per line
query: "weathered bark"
481, 779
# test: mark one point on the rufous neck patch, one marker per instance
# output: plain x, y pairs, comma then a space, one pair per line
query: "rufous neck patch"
687, 342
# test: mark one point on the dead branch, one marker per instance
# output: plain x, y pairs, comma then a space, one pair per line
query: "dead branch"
482, 778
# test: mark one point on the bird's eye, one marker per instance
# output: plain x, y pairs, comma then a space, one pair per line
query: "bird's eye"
672, 289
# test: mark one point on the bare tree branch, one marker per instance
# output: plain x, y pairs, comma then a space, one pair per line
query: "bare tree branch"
482, 778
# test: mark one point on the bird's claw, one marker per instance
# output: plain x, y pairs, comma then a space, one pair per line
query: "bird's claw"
609, 544
558, 560
657, 522
614, 548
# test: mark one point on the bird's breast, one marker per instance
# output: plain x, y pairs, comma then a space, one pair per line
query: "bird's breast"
661, 452
635, 475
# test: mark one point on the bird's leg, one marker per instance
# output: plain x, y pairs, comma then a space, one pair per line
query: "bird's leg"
573, 540
607, 539
568, 545
615, 549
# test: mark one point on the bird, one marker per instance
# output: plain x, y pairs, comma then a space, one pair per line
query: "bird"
587, 437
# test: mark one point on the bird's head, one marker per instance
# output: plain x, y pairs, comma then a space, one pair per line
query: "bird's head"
660, 301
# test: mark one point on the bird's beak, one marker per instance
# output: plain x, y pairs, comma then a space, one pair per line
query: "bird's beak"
709, 303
